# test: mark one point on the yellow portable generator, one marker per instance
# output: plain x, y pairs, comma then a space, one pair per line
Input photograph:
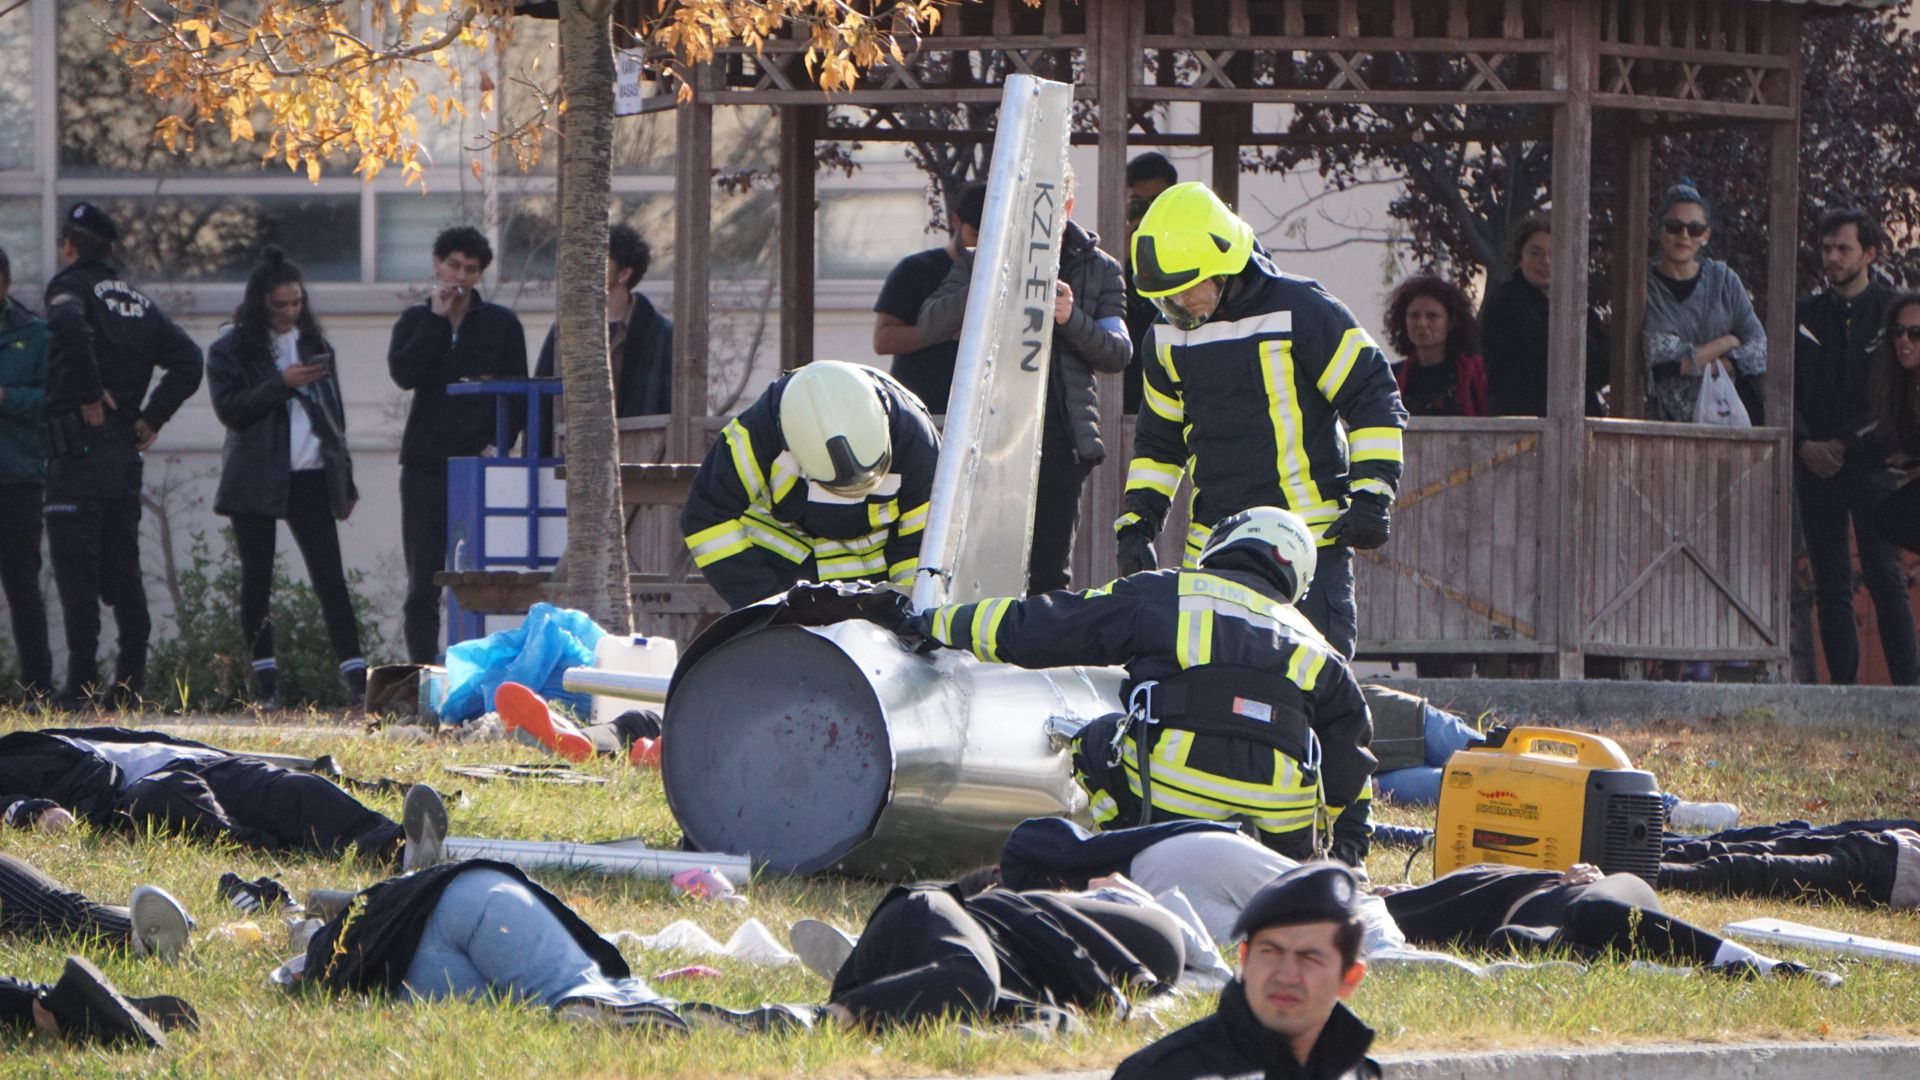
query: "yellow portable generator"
1546, 798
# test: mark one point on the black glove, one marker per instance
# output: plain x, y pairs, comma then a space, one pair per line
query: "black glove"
1367, 523
916, 632
822, 604
1350, 853
1136, 553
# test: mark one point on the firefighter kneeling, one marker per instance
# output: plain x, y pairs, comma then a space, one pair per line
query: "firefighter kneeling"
1238, 707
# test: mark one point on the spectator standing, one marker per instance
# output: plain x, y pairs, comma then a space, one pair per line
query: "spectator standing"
1839, 475
1089, 335
1148, 175
275, 387
107, 339
1514, 331
1896, 389
452, 335
23, 482
1698, 314
922, 364
639, 338
1430, 324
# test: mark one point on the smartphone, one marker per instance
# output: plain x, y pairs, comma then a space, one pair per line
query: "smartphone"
325, 358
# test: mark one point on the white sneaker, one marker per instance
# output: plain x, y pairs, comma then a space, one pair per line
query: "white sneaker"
823, 948
423, 817
1703, 817
160, 924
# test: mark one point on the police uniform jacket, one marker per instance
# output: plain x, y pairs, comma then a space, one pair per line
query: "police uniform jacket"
753, 522
250, 397
1165, 623
109, 336
1253, 404
1232, 1045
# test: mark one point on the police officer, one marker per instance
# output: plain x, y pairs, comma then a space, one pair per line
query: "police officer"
1283, 1017
1250, 376
825, 478
107, 339
1238, 707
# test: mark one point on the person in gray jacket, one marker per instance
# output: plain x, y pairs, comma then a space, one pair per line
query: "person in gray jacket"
1699, 315
276, 389
1089, 335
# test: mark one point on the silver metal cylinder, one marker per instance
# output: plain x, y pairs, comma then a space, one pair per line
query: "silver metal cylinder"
624, 857
621, 684
837, 748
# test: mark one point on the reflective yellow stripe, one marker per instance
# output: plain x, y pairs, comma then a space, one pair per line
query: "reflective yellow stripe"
1304, 669
901, 573
882, 514
1102, 807
1375, 444
1285, 794
1292, 465
769, 534
784, 476
913, 521
942, 625
1121, 523
1166, 361
745, 465
1165, 406
1153, 476
1338, 368
1373, 486
1168, 795
1193, 641
711, 545
986, 627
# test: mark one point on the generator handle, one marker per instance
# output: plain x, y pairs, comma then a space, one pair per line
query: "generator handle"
1597, 751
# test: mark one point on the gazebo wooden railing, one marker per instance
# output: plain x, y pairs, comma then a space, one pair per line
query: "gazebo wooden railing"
1558, 537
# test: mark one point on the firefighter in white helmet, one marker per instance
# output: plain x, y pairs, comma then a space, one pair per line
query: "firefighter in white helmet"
1238, 707
825, 478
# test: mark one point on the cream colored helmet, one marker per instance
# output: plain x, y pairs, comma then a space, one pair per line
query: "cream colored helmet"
1278, 533
836, 426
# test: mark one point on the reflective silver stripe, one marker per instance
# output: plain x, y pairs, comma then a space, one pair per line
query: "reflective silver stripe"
1273, 322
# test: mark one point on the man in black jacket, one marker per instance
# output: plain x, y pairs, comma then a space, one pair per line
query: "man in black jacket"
1089, 335
1300, 955
107, 339
1838, 475
23, 482
639, 339
452, 335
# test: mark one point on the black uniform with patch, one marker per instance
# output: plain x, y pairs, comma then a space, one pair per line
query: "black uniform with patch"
108, 337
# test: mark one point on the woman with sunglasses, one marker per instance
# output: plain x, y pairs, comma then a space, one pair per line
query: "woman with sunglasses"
275, 389
1699, 315
1896, 383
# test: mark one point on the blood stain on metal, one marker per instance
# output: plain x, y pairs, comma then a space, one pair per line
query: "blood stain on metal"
833, 735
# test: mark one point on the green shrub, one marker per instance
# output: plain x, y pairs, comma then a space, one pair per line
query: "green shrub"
206, 665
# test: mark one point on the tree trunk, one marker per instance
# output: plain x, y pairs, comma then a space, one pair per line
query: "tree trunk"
596, 559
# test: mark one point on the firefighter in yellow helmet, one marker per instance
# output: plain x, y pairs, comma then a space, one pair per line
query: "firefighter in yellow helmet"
1266, 389
1238, 708
825, 478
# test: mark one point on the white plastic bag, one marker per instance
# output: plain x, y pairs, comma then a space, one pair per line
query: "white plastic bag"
1719, 402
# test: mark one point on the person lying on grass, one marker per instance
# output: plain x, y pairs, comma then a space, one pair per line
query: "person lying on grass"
84, 1007
33, 905
114, 779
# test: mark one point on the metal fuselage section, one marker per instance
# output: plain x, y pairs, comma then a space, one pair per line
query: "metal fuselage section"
838, 748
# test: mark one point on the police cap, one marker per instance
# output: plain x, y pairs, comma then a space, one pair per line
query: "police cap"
85, 215
1316, 892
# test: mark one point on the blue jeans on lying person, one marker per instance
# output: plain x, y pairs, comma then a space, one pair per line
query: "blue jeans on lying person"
489, 936
1445, 734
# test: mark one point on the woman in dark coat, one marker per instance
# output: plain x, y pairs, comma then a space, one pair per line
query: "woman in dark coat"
1896, 375
275, 388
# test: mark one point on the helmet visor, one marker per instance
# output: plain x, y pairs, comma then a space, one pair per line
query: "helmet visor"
1183, 317
855, 482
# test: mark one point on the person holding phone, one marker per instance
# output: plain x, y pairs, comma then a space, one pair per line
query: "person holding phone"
276, 390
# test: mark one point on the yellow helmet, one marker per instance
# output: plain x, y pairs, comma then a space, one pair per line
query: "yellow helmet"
835, 423
1187, 236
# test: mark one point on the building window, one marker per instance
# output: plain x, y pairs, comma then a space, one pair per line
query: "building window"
20, 237
408, 224
189, 238
864, 233
16, 90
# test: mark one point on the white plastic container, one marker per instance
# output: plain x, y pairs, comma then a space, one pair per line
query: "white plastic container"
633, 653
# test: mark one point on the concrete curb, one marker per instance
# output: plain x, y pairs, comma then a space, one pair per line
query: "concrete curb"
1591, 703
1864, 1059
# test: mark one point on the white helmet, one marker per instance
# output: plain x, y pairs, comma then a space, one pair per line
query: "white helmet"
1274, 532
835, 424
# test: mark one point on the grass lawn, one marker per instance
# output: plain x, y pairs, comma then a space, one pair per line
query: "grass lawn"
252, 1029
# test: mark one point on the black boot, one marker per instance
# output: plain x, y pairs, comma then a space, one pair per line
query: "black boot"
89, 1009
77, 694
266, 689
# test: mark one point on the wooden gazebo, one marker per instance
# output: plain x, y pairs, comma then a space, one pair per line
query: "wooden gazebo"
1558, 537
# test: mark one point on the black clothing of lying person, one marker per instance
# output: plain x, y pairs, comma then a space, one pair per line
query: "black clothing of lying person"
114, 778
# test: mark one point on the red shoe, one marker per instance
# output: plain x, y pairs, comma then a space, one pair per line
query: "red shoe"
645, 752
522, 710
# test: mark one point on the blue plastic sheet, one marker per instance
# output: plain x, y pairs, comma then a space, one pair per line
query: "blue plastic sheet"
532, 654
